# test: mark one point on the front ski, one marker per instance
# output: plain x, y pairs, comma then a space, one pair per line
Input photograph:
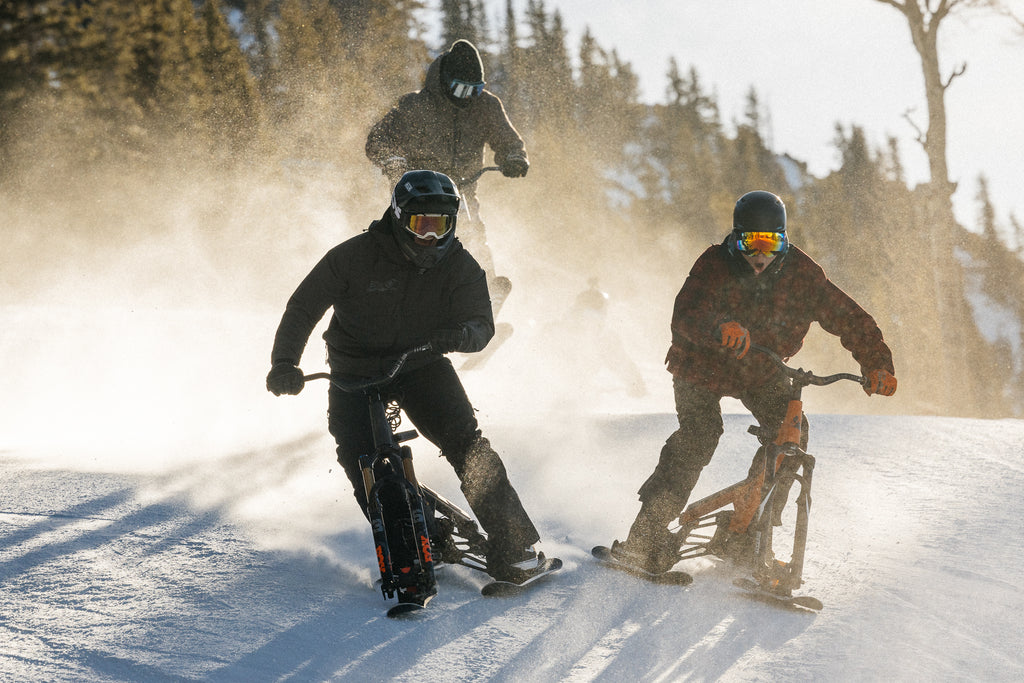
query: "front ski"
504, 589
408, 607
800, 602
673, 577
405, 608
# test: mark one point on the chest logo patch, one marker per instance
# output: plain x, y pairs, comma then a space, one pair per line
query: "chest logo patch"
385, 287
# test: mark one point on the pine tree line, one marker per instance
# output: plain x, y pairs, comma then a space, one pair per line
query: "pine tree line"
245, 83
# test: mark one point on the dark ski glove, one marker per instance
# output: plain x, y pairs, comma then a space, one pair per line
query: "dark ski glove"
446, 341
515, 166
285, 378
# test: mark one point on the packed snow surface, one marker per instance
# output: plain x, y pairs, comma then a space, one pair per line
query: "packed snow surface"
164, 518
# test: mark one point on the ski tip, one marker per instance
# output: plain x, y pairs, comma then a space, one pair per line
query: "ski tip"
404, 609
799, 603
508, 588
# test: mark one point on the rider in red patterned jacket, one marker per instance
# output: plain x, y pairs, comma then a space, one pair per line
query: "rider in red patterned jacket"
755, 286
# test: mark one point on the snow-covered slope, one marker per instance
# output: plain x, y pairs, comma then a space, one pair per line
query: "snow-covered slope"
164, 518
255, 565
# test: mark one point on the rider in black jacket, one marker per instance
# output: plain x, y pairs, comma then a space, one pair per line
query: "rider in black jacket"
405, 282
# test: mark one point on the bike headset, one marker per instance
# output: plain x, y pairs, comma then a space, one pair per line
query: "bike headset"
424, 192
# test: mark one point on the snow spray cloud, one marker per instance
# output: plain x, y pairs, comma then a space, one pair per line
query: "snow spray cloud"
139, 306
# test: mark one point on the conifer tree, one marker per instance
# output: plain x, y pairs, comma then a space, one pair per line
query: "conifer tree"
465, 20
234, 112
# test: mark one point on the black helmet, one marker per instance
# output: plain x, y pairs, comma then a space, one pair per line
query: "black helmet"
418, 193
759, 211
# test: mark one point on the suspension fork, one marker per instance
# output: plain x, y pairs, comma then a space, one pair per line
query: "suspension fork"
404, 479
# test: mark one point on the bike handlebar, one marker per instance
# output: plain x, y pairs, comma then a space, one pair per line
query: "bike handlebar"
806, 376
356, 386
476, 176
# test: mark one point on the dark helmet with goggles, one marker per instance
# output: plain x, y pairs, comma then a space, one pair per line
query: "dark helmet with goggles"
425, 206
759, 224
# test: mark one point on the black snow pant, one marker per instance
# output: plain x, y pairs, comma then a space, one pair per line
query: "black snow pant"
435, 401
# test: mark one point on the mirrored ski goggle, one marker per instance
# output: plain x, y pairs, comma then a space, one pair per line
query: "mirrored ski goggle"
768, 242
434, 225
462, 89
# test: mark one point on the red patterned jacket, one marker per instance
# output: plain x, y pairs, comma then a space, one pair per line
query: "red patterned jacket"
777, 308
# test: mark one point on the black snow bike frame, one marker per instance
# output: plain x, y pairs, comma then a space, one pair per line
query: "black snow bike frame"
736, 523
414, 528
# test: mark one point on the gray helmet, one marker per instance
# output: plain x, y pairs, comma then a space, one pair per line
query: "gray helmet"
424, 192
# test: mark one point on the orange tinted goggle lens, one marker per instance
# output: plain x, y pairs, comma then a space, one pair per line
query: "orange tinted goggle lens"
430, 224
767, 242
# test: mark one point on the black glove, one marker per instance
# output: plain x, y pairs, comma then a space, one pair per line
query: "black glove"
285, 378
446, 341
515, 166
394, 168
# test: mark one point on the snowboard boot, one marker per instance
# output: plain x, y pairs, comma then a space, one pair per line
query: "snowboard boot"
511, 562
650, 545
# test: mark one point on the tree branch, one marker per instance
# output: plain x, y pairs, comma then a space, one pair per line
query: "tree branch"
959, 71
920, 133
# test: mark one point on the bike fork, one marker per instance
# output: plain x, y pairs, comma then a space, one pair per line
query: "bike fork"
774, 574
402, 498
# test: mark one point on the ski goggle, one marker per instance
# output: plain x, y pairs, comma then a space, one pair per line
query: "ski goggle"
750, 243
435, 225
463, 90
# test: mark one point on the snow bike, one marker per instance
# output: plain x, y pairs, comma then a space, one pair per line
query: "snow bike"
414, 527
499, 286
737, 522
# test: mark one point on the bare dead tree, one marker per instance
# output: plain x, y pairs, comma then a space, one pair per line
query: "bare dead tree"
924, 18
956, 335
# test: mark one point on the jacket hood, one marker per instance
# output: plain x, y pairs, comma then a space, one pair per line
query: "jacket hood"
435, 84
432, 80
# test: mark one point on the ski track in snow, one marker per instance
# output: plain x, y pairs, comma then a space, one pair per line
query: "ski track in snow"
220, 574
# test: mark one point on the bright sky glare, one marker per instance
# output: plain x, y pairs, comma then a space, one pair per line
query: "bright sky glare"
815, 64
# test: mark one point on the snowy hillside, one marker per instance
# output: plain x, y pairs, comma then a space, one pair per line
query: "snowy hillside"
175, 522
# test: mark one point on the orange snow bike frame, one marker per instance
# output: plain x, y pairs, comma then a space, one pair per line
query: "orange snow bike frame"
736, 523
413, 526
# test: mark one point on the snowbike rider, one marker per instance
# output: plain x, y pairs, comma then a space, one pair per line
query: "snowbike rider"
753, 287
406, 281
444, 127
